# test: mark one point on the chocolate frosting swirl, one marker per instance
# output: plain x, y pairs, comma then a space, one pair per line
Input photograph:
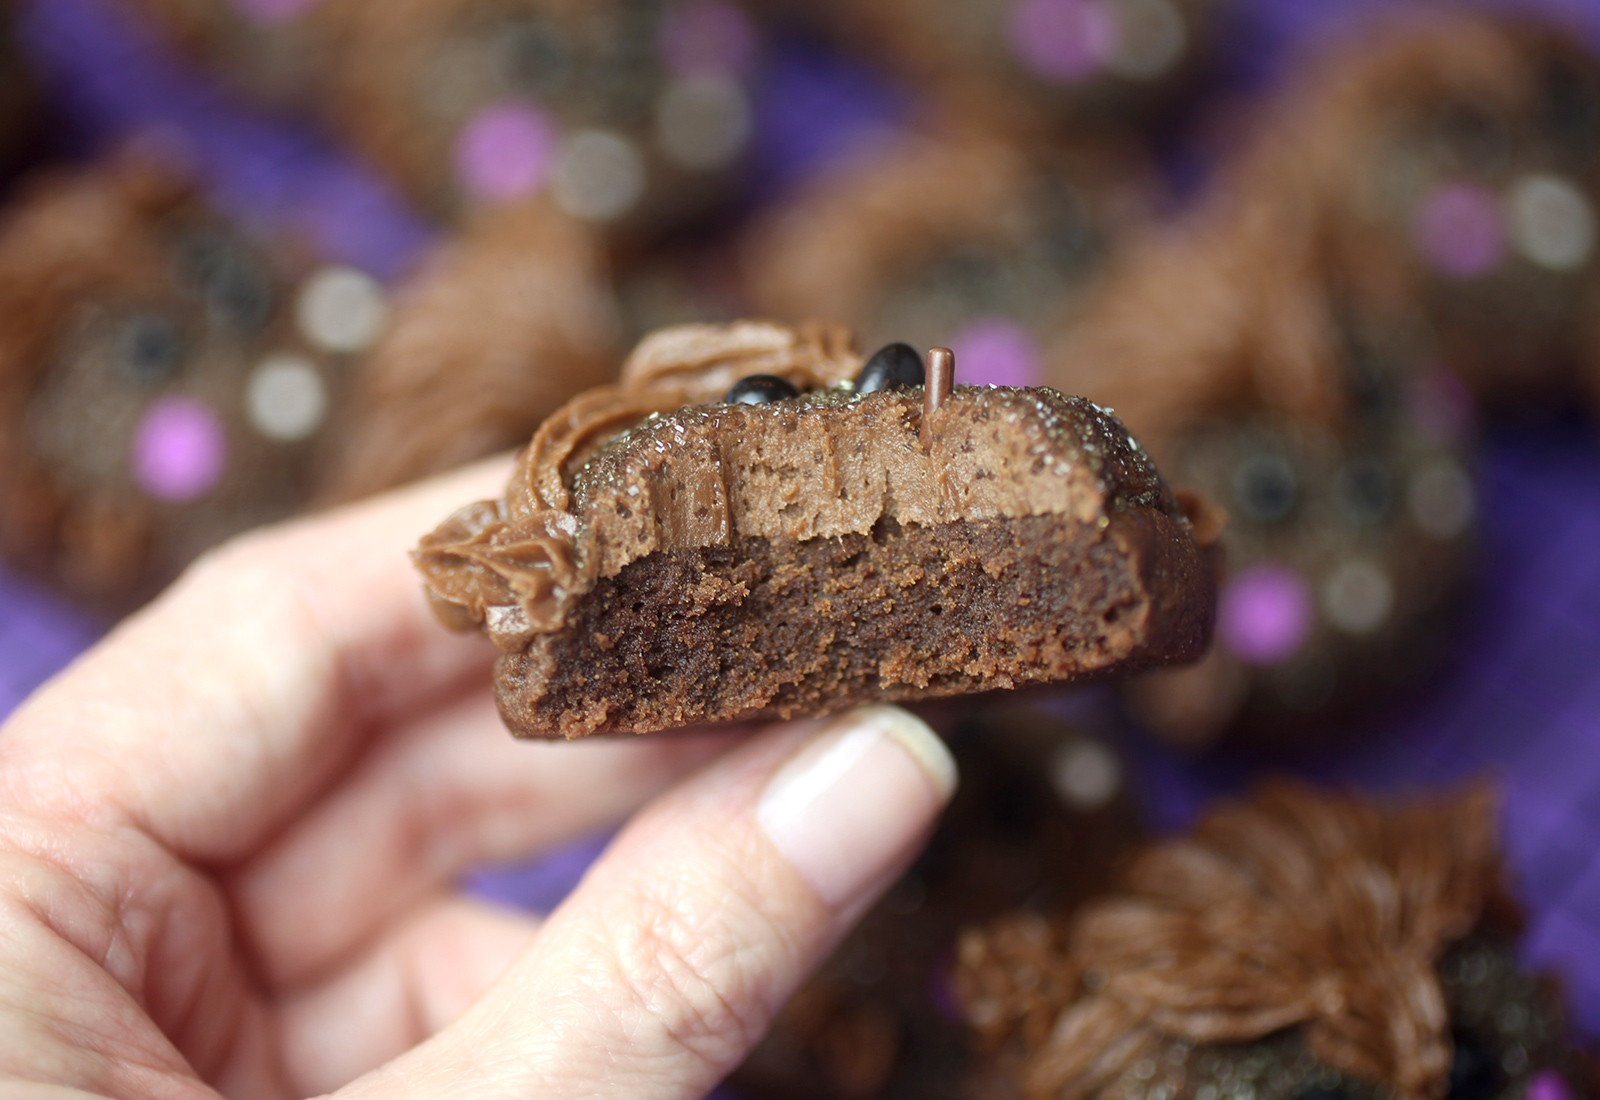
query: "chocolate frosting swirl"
1297, 909
513, 566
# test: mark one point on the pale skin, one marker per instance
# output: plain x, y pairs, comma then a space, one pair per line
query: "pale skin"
229, 837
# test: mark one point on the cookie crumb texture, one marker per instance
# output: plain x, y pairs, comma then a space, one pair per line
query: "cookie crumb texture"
762, 628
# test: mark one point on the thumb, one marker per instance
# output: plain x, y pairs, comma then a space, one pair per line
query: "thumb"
666, 965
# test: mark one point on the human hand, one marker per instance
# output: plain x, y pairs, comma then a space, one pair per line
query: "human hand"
229, 834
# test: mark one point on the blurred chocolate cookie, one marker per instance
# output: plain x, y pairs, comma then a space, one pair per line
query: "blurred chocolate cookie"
169, 377
1295, 946
166, 377
949, 238
626, 113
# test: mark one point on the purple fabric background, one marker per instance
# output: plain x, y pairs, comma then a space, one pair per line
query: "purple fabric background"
1520, 702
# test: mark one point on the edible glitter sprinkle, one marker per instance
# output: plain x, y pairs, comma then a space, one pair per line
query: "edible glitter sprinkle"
708, 38
996, 351
505, 152
1066, 41
179, 450
1458, 229
286, 398
1264, 614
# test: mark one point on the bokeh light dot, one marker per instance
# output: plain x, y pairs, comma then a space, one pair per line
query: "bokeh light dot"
599, 176
1264, 614
180, 449
1459, 230
341, 309
703, 123
505, 152
996, 351
1358, 596
1552, 224
286, 399
1064, 41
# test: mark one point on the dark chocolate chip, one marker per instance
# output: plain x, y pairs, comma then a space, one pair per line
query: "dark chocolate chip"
891, 367
150, 347
760, 389
1265, 488
1475, 1072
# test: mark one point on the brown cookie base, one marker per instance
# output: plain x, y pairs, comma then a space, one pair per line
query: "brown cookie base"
759, 629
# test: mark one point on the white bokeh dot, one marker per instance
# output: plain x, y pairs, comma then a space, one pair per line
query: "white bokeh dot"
703, 123
341, 309
1086, 774
599, 176
1552, 223
1357, 596
286, 398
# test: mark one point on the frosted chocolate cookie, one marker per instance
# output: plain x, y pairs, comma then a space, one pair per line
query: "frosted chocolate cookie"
1299, 946
953, 238
623, 112
167, 378
755, 522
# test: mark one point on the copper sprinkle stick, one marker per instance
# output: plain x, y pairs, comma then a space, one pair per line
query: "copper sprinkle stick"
941, 377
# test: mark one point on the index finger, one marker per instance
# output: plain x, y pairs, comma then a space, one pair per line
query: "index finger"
206, 718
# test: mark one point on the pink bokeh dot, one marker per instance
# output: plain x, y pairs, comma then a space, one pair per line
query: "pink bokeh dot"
1548, 1085
505, 151
179, 450
996, 351
1264, 614
1063, 40
708, 38
1459, 230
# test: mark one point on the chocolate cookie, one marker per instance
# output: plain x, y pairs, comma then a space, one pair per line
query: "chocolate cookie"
802, 544
625, 112
1040, 819
166, 378
950, 238
1297, 946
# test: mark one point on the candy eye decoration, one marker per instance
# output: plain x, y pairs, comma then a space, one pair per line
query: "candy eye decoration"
891, 367
1475, 1072
760, 389
149, 348
1265, 488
